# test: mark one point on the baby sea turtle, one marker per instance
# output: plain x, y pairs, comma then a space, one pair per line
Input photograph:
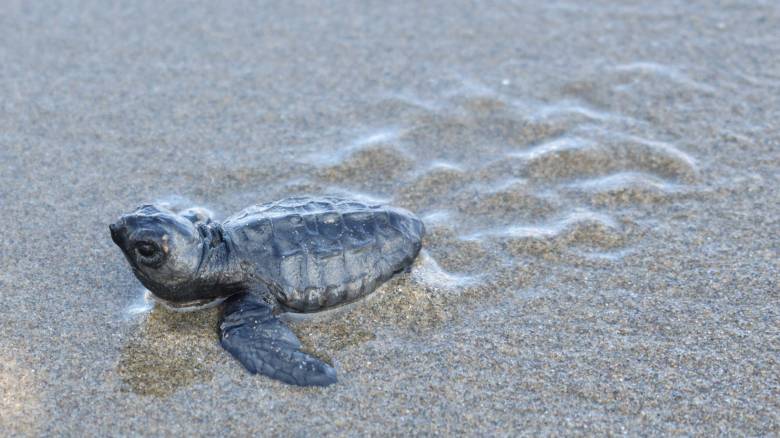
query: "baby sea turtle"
299, 254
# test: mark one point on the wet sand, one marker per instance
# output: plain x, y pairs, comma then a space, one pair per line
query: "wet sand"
599, 184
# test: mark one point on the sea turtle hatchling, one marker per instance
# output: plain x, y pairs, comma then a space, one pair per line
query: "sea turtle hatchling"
299, 254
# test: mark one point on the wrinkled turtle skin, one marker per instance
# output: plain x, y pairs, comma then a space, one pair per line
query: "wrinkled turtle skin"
298, 254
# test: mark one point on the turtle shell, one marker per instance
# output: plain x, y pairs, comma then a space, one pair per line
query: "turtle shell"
314, 253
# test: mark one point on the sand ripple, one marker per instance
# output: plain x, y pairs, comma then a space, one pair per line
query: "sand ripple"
568, 174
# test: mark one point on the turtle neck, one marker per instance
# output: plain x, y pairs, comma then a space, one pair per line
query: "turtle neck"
218, 272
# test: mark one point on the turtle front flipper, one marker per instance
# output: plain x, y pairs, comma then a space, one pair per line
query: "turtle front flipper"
263, 344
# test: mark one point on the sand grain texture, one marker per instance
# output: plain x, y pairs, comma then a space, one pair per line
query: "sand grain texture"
600, 186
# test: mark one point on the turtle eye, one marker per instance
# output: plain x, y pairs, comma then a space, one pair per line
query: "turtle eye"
145, 249
148, 253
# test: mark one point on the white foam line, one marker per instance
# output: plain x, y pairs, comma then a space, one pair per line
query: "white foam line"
665, 71
662, 146
547, 230
428, 271
144, 304
554, 145
381, 136
567, 106
622, 180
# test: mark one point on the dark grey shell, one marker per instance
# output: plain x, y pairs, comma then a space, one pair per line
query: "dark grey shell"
314, 253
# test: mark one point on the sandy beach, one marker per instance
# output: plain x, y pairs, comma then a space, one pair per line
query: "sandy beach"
599, 183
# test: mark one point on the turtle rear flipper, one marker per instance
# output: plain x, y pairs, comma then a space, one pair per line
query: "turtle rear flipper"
263, 344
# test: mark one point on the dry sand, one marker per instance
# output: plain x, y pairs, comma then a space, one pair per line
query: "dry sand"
600, 184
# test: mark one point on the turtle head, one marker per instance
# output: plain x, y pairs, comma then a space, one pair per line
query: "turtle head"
163, 248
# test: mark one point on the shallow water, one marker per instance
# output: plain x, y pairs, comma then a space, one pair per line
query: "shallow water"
599, 186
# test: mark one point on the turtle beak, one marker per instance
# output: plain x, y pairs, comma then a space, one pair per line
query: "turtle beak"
117, 234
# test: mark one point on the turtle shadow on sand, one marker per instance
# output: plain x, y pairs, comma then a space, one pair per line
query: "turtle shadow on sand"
169, 351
